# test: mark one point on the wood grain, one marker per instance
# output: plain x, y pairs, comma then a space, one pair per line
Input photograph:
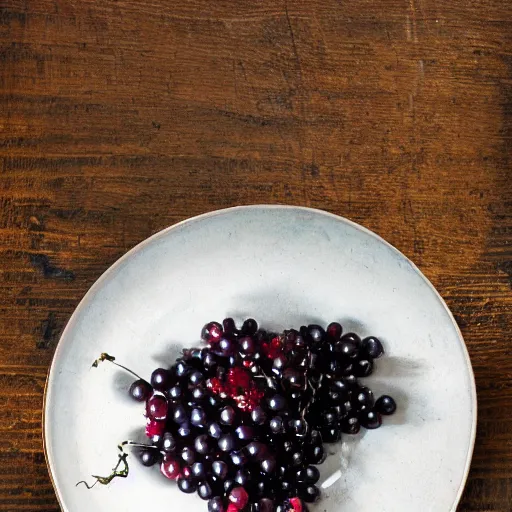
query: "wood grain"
119, 118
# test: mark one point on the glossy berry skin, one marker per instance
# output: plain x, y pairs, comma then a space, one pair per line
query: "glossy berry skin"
170, 468
198, 470
220, 469
216, 505
268, 465
180, 414
160, 379
385, 405
249, 327
245, 433
351, 425
239, 497
212, 332
197, 417
168, 442
148, 456
257, 450
175, 392
201, 444
373, 347
334, 331
331, 434
187, 485
310, 493
309, 475
229, 326
188, 456
156, 408
140, 390
227, 415
316, 333
258, 416
277, 403
247, 346
204, 490
238, 458
195, 378
227, 443
371, 419
215, 430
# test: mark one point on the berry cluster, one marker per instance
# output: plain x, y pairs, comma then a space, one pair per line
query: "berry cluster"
242, 421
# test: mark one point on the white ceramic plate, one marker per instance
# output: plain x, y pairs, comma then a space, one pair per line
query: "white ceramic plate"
284, 266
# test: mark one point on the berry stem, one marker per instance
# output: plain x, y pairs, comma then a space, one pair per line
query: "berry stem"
106, 357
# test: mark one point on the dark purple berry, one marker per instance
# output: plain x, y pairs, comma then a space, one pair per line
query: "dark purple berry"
212, 332
187, 485
202, 444
315, 333
180, 414
227, 443
204, 490
370, 419
268, 465
140, 390
266, 505
364, 368
276, 425
372, 347
351, 425
334, 331
148, 456
257, 450
258, 415
196, 378
245, 433
184, 430
160, 379
199, 470
197, 417
385, 405
238, 458
331, 434
168, 442
220, 469
188, 456
310, 493
229, 326
277, 403
249, 327
247, 346
216, 505
175, 392
227, 415
214, 430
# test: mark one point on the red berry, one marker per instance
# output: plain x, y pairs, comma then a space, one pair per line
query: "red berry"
232, 508
154, 428
212, 332
170, 468
238, 378
156, 407
274, 349
239, 497
296, 504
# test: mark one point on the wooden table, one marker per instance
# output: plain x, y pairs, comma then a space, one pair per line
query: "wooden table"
119, 118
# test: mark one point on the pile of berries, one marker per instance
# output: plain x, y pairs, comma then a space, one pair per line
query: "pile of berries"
243, 420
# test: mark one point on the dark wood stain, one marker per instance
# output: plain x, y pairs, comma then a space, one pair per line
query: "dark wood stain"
120, 118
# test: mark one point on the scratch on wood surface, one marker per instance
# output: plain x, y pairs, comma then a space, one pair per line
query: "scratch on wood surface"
42, 263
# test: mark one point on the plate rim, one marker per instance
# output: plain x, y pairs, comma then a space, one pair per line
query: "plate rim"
196, 218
